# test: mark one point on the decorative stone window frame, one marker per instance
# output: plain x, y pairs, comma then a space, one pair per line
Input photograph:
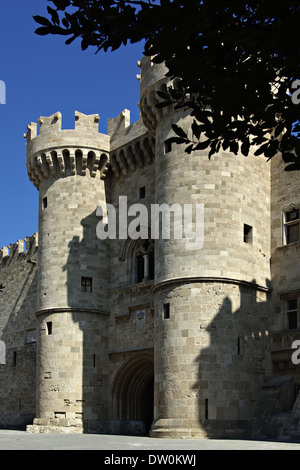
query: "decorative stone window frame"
131, 249
289, 222
144, 250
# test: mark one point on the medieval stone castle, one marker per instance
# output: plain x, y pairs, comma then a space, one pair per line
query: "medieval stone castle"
135, 335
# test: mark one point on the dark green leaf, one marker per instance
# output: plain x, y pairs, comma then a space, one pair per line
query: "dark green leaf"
176, 140
289, 157
225, 55
189, 148
179, 131
42, 20
61, 4
261, 149
85, 43
65, 22
234, 147
71, 39
42, 31
225, 144
279, 129
272, 149
293, 167
196, 128
54, 15
245, 147
202, 145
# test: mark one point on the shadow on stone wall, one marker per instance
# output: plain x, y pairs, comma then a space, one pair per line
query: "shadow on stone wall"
87, 286
117, 393
234, 370
18, 272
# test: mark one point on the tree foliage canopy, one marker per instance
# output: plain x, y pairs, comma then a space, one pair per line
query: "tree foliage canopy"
237, 63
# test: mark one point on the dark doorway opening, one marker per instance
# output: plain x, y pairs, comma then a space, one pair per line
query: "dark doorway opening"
133, 397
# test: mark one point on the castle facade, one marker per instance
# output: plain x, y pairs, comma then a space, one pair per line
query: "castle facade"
151, 334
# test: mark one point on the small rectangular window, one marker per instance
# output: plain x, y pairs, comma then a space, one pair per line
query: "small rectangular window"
86, 284
14, 358
206, 408
142, 192
49, 327
45, 203
247, 233
166, 311
60, 414
291, 226
167, 146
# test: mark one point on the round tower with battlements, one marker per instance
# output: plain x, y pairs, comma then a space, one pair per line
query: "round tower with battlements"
68, 168
211, 284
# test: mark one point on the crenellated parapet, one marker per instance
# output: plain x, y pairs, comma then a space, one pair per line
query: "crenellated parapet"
27, 246
56, 151
132, 146
83, 150
153, 78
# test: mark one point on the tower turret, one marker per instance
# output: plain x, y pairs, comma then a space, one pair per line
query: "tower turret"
68, 168
210, 296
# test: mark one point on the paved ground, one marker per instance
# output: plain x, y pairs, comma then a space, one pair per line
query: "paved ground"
20, 440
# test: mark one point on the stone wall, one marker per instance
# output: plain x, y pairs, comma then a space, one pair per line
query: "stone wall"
120, 322
285, 257
131, 324
211, 358
285, 270
234, 192
18, 273
72, 370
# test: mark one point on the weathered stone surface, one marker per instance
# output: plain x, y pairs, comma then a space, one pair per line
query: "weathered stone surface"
115, 336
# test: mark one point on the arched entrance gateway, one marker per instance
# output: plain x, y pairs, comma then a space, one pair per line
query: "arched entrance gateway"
133, 396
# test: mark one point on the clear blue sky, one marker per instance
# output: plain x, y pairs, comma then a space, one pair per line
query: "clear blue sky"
42, 76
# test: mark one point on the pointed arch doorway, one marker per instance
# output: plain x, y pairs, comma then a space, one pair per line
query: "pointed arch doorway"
133, 396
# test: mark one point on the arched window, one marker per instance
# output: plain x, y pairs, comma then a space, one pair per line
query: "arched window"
143, 261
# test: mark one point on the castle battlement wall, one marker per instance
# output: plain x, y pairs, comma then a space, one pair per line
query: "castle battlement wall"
151, 75
56, 151
85, 126
18, 274
171, 334
27, 246
132, 146
153, 79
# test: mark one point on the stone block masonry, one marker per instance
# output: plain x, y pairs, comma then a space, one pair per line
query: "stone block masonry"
18, 273
139, 336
